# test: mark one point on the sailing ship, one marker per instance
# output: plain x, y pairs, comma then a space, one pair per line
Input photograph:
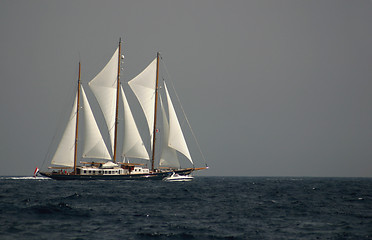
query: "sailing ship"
107, 165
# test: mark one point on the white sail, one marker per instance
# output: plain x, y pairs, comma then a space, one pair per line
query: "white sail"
168, 155
64, 154
176, 139
133, 146
143, 86
94, 146
104, 87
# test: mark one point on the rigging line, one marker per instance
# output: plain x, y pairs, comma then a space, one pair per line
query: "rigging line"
179, 102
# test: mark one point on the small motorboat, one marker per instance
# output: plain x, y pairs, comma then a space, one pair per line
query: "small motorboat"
175, 177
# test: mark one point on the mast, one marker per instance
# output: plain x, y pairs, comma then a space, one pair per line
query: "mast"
77, 119
117, 103
156, 106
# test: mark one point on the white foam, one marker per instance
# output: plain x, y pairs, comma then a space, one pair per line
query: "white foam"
26, 178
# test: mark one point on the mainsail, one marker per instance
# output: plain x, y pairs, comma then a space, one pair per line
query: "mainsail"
133, 146
104, 87
94, 146
64, 154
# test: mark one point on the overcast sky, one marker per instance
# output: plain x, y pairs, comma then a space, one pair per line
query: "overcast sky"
271, 88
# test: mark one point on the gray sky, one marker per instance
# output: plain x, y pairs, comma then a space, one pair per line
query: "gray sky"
271, 88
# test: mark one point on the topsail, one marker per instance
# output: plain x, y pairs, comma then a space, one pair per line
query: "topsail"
143, 86
104, 88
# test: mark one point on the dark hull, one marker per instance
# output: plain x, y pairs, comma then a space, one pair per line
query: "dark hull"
148, 176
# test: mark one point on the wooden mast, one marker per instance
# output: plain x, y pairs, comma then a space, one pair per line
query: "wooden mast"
77, 119
117, 103
156, 106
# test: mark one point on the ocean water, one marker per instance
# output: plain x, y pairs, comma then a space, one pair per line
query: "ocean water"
207, 208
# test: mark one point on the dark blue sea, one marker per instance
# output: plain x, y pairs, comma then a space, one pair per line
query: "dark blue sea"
207, 208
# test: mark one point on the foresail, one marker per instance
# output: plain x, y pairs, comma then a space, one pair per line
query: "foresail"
143, 86
133, 146
64, 155
104, 88
176, 139
94, 146
168, 155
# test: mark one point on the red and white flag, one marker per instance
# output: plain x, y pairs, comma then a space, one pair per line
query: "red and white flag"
36, 171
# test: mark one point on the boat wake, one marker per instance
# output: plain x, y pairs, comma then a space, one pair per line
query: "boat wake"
25, 178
